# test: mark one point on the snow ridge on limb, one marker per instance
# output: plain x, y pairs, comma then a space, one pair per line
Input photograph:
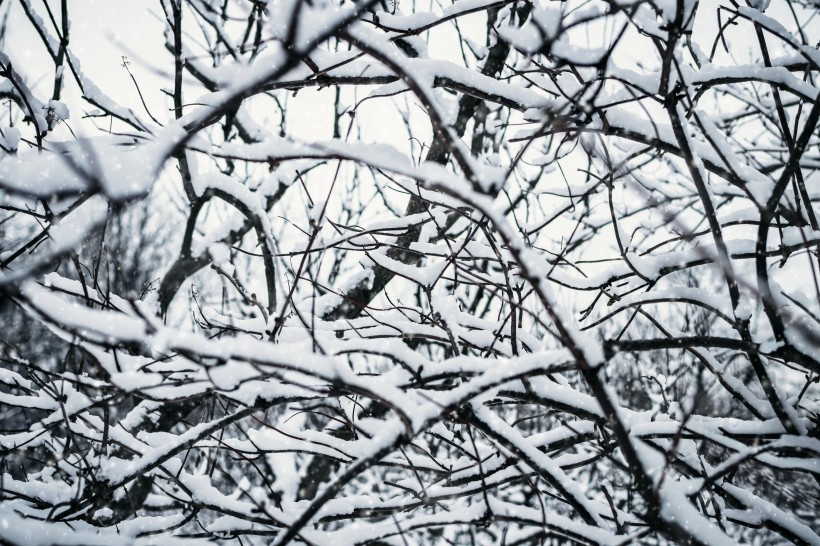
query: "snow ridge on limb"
374, 273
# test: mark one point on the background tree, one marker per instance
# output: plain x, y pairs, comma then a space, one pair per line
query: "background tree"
488, 272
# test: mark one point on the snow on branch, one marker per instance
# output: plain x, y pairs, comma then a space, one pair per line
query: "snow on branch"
485, 272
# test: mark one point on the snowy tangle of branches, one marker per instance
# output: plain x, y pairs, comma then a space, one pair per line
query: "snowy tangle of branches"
546, 273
